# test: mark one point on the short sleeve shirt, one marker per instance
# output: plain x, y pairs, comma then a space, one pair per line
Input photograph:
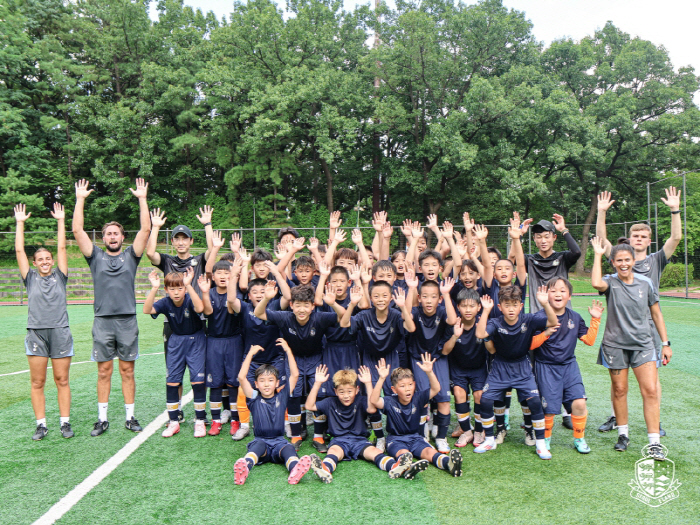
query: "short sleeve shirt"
512, 342
469, 352
113, 277
173, 264
429, 331
259, 332
627, 325
222, 323
559, 348
375, 338
268, 413
306, 340
183, 319
46, 297
492, 292
541, 269
402, 420
345, 420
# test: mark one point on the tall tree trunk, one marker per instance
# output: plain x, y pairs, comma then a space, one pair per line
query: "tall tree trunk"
584, 235
329, 185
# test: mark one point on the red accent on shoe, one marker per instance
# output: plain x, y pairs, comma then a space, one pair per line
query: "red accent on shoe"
299, 470
215, 428
240, 471
235, 425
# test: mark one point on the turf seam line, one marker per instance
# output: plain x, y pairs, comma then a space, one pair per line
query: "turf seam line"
76, 363
74, 496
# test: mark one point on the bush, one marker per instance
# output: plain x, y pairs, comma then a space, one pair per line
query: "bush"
674, 275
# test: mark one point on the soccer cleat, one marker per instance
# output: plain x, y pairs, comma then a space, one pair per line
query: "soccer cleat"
173, 428
180, 416
319, 470
662, 432
581, 445
296, 443
454, 465
225, 416
415, 468
457, 432
548, 442
442, 446
99, 428
67, 431
320, 446
507, 418
40, 432
241, 433
133, 425
479, 438
485, 447
235, 425
566, 422
403, 463
544, 454
215, 429
240, 471
304, 433
608, 425
530, 437
657, 452
501, 435
301, 468
622, 442
381, 444
465, 439
200, 428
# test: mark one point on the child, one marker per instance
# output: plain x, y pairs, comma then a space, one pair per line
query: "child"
346, 412
267, 403
467, 361
511, 336
187, 344
258, 261
48, 334
403, 415
556, 370
386, 271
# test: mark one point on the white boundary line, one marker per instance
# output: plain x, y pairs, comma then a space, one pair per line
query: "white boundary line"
76, 363
74, 496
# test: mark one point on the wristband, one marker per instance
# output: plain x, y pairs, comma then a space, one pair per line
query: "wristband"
207, 224
674, 212
565, 231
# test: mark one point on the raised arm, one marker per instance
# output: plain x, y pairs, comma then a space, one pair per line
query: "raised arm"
151, 297
313, 249
157, 222
324, 272
197, 303
329, 299
261, 309
445, 288
416, 234
245, 269
334, 223
204, 287
21, 216
81, 193
291, 362
364, 256
481, 233
375, 398
216, 243
338, 238
355, 297
673, 201
487, 306
378, 223
597, 271
448, 234
282, 283
543, 299
365, 377
205, 218
515, 232
400, 300
426, 364
232, 300
385, 251
320, 377
457, 331
59, 214
248, 390
604, 203
141, 193
292, 249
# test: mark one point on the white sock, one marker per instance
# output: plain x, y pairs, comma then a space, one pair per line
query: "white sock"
41, 421
490, 440
507, 411
540, 444
129, 411
653, 438
179, 405
102, 411
64, 420
612, 411
623, 430
245, 425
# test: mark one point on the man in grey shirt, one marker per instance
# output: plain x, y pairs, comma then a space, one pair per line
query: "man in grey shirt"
115, 329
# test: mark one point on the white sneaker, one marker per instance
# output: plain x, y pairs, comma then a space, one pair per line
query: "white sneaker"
200, 429
465, 439
530, 437
288, 429
225, 416
486, 446
434, 431
381, 444
501, 436
173, 428
442, 446
241, 433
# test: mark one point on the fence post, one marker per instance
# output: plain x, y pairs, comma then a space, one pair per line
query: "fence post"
167, 238
648, 203
685, 236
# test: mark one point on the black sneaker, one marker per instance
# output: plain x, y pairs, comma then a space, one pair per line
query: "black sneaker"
99, 428
180, 416
40, 433
662, 432
608, 425
454, 465
320, 446
297, 444
656, 451
566, 422
418, 466
133, 425
66, 430
622, 442
304, 433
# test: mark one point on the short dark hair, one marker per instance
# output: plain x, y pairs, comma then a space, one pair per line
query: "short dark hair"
429, 283
340, 270
173, 279
221, 265
345, 253
304, 293
369, 249
287, 230
229, 256
621, 248
397, 253
383, 265
305, 262
375, 284
113, 223
622, 240
266, 369
39, 250
427, 254
552, 283
468, 263
257, 282
506, 260
493, 249
400, 373
260, 255
468, 294
510, 293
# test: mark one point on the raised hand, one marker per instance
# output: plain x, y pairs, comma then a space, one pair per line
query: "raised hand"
280, 250
596, 310
284, 345
458, 329
467, 221
486, 303
551, 330
604, 201
379, 220
324, 269
154, 279
463, 248
205, 214
542, 295
365, 275
298, 244
271, 267
410, 278
387, 231
432, 222
673, 198
598, 246
340, 236
558, 221
447, 229
243, 254
329, 295
364, 375
335, 220
416, 230
81, 189
204, 284
514, 229
426, 362
446, 285
321, 375
383, 369
235, 243
270, 290
254, 349
406, 228
21, 214
481, 232
313, 244
355, 274
357, 237
188, 277
141, 190
399, 297
356, 294
58, 212
158, 218
217, 240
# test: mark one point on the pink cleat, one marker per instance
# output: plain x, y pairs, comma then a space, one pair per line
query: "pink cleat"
240, 471
172, 429
299, 470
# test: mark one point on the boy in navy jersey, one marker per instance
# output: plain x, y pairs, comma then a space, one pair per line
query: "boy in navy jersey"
303, 329
467, 361
511, 337
346, 412
186, 346
403, 415
556, 370
379, 332
267, 402
386, 271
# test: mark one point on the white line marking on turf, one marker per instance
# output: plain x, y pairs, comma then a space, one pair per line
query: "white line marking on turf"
74, 496
76, 363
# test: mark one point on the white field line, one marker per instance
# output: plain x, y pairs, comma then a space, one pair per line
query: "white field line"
76, 363
74, 496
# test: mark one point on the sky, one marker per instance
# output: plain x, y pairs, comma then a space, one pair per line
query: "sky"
671, 23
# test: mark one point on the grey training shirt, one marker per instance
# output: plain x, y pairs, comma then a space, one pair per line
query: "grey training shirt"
46, 297
113, 277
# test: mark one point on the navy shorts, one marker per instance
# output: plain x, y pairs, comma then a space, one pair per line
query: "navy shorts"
441, 369
338, 356
466, 377
506, 375
280, 365
186, 350
307, 372
370, 361
273, 449
559, 384
414, 443
224, 358
353, 447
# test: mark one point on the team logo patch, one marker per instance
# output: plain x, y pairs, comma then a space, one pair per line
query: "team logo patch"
312, 332
654, 481
555, 262
187, 313
194, 263
209, 378
34, 348
523, 327
646, 265
641, 294
570, 324
391, 330
413, 410
485, 389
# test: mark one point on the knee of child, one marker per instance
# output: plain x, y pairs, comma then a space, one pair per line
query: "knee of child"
477, 396
578, 407
444, 407
427, 453
460, 394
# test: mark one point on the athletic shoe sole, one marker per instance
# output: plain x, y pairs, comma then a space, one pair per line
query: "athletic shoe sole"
485, 448
240, 471
299, 470
544, 454
317, 467
402, 465
415, 468
454, 465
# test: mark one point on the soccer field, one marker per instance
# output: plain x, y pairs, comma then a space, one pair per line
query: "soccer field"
183, 480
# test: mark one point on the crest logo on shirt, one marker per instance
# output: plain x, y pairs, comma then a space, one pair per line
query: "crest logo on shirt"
187, 313
555, 262
391, 330
193, 263
478, 341
641, 294
646, 265
292, 332
172, 314
209, 378
570, 324
523, 328
502, 331
277, 402
312, 332
413, 410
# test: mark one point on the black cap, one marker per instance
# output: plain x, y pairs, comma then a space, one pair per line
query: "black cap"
182, 229
544, 226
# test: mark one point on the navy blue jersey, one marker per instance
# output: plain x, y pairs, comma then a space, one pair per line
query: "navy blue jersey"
469, 351
183, 319
402, 420
400, 283
345, 420
377, 339
493, 293
222, 323
268, 413
428, 333
338, 334
458, 287
259, 332
559, 348
512, 342
304, 340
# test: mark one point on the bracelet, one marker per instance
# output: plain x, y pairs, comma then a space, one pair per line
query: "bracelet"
207, 224
674, 212
565, 231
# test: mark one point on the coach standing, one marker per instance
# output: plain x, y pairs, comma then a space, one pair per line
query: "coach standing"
115, 329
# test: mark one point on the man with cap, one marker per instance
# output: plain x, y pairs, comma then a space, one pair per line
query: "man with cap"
182, 260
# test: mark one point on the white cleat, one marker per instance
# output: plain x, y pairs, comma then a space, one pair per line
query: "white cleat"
225, 416
442, 446
241, 433
381, 444
200, 429
172, 429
